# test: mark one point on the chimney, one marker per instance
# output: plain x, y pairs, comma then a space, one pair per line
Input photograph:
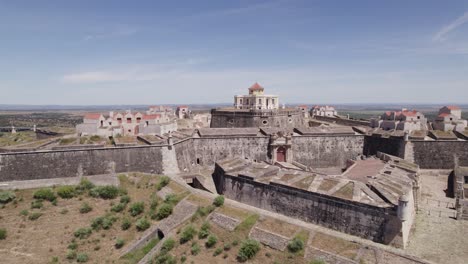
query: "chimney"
111, 114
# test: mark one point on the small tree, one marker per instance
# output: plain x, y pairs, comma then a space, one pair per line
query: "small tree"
295, 245
142, 224
85, 208
126, 224
212, 240
45, 194
187, 234
66, 192
248, 250
218, 201
119, 243
137, 208
6, 197
164, 211
167, 246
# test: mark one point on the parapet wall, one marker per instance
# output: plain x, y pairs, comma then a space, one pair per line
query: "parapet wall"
392, 146
72, 163
378, 224
343, 121
440, 154
221, 118
326, 151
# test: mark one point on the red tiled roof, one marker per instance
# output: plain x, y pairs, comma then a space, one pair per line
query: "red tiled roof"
453, 107
154, 116
256, 86
92, 116
409, 113
302, 106
444, 114
182, 106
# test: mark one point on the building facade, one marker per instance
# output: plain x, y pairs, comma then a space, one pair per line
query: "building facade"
126, 124
257, 110
449, 119
323, 111
256, 99
405, 120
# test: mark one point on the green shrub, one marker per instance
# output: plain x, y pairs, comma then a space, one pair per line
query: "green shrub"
45, 194
136, 208
183, 258
71, 254
203, 234
118, 207
248, 250
187, 234
83, 232
142, 224
104, 192
82, 258
125, 199
164, 259
34, 216
85, 185
171, 198
295, 245
3, 233
85, 208
24, 212
64, 211
126, 224
217, 252
163, 181
54, 202
227, 247
66, 192
153, 204
204, 211
37, 204
167, 246
218, 201
73, 245
104, 222
212, 240
204, 230
195, 249
6, 197
119, 243
164, 211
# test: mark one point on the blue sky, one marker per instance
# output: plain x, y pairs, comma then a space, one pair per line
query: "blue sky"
152, 52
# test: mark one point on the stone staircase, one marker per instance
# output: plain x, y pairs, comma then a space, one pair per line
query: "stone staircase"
409, 152
169, 161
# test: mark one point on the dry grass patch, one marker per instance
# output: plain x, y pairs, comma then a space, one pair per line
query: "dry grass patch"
199, 200
237, 213
277, 226
335, 245
327, 185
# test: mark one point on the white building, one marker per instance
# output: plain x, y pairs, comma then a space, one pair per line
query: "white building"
405, 120
125, 124
324, 111
449, 119
256, 99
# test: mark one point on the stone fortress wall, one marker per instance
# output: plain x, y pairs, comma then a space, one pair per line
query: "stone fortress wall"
380, 224
78, 162
268, 118
320, 151
428, 154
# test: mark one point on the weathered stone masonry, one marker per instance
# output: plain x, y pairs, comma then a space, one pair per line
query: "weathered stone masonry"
72, 163
375, 223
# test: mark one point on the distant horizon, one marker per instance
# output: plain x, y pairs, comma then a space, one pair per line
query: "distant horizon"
147, 52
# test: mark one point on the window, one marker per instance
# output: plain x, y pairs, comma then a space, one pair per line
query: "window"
451, 119
129, 120
466, 179
265, 122
260, 101
119, 120
247, 101
240, 101
138, 119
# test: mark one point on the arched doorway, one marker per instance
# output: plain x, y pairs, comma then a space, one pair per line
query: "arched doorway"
281, 154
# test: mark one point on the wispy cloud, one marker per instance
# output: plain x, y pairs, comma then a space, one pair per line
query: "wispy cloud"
441, 34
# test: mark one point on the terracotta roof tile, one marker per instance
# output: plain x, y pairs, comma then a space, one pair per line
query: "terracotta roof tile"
453, 107
92, 116
256, 86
